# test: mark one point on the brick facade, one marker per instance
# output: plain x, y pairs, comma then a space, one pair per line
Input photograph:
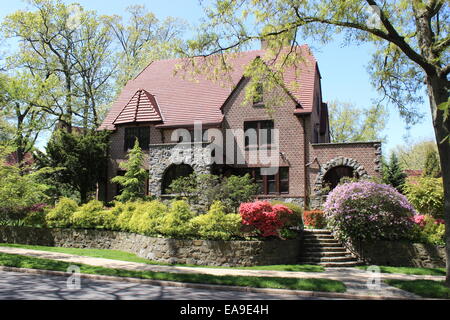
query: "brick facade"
303, 140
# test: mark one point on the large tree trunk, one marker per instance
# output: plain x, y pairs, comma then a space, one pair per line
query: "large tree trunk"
438, 93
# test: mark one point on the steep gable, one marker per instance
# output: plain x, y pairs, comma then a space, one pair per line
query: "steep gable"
182, 101
142, 107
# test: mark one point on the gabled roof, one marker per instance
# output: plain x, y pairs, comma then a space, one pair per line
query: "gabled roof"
182, 101
142, 107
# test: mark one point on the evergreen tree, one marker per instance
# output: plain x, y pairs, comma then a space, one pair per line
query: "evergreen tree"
133, 182
432, 167
393, 173
79, 161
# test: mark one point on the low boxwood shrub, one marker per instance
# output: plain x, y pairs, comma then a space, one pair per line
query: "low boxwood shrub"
314, 219
217, 224
93, 215
369, 211
266, 220
124, 213
61, 215
175, 223
147, 217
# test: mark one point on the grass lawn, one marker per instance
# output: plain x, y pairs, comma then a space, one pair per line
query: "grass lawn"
423, 288
125, 256
323, 285
410, 270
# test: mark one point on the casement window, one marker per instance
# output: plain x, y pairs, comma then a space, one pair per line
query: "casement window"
271, 184
141, 133
262, 130
258, 98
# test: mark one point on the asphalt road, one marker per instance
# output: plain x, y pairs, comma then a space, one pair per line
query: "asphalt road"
22, 286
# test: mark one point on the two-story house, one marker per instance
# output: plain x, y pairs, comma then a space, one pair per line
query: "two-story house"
157, 102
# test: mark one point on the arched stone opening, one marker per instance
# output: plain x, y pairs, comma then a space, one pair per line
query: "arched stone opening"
335, 174
336, 169
173, 172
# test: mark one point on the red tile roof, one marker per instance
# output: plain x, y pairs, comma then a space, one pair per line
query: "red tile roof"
180, 101
142, 107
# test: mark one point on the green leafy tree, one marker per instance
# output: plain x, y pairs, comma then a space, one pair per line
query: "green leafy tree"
410, 40
393, 173
413, 155
80, 160
22, 94
432, 168
133, 182
350, 124
142, 39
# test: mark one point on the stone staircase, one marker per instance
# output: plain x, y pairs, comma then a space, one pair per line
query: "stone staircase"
321, 248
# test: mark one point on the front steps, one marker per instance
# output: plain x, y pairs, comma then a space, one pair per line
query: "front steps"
321, 248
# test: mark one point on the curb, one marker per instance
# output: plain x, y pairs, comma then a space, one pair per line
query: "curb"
205, 286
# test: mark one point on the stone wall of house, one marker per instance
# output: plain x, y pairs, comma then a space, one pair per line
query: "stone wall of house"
400, 254
199, 252
161, 156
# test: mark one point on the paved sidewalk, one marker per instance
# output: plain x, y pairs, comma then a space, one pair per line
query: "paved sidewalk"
355, 279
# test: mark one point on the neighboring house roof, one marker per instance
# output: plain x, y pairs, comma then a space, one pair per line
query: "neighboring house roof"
183, 101
142, 107
413, 173
12, 159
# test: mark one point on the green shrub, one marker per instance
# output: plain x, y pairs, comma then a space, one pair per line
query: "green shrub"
124, 213
61, 215
426, 195
231, 191
146, 218
176, 222
35, 219
216, 224
92, 215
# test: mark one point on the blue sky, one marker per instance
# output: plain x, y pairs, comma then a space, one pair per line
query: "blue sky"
343, 69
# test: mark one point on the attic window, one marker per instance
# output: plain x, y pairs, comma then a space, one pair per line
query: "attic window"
258, 98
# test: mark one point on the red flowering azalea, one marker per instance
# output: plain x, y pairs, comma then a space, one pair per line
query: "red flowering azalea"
264, 217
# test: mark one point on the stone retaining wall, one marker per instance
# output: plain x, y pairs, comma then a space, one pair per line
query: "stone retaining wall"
401, 254
200, 252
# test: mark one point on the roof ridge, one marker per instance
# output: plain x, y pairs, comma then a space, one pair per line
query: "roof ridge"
304, 45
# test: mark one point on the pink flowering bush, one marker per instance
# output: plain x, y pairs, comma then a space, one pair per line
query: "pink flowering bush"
429, 229
369, 211
266, 219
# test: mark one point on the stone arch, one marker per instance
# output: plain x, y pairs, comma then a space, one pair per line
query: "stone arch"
173, 172
339, 162
161, 158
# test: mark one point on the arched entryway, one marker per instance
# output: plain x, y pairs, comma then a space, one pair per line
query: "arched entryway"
334, 170
173, 172
335, 174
